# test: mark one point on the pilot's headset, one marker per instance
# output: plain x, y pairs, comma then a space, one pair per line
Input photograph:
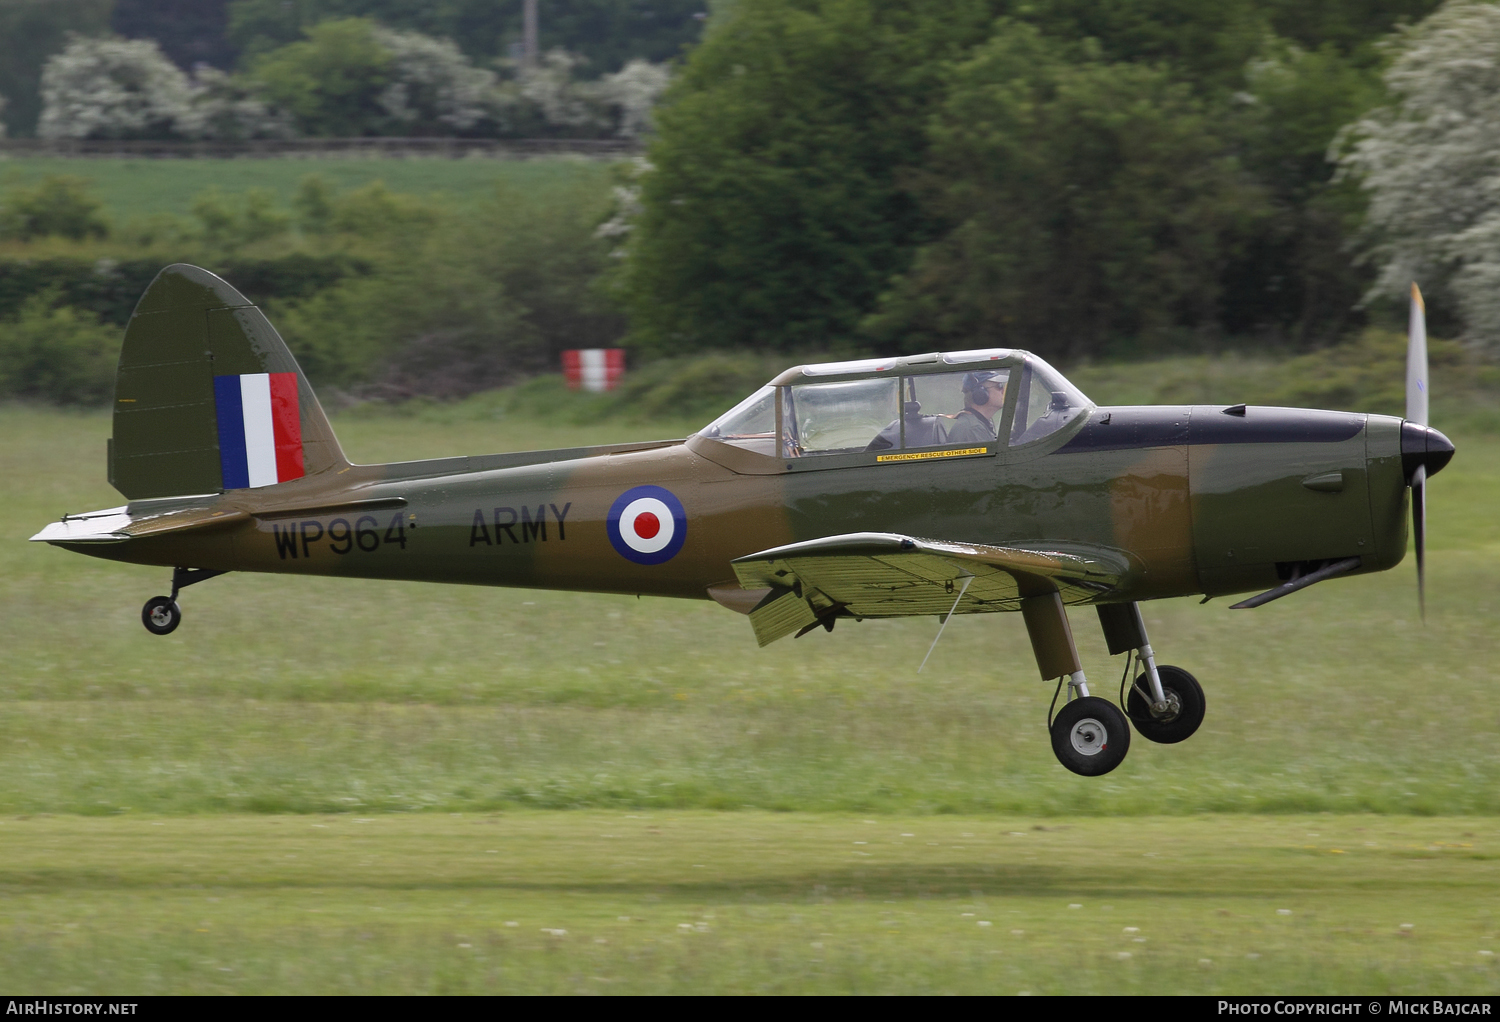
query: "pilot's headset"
974, 392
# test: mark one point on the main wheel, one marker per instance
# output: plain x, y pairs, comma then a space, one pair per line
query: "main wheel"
1090, 737
161, 615
1185, 706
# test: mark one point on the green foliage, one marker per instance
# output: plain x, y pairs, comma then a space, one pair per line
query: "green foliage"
138, 188
1292, 275
1083, 203
608, 32
59, 205
109, 289
228, 224
1368, 373
678, 395
30, 32
331, 81
1206, 44
1353, 26
1157, 175
775, 213
56, 353
457, 303
369, 211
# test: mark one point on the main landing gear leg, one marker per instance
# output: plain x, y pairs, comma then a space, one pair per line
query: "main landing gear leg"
161, 615
1089, 735
1165, 704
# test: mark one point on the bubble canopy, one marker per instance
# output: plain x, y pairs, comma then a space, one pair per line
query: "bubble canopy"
796, 413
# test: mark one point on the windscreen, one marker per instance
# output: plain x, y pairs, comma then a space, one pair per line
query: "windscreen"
751, 424
1047, 402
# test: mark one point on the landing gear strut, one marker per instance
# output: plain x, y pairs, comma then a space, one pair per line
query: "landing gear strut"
1089, 735
1166, 704
1183, 713
161, 615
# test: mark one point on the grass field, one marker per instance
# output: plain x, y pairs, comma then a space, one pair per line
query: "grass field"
139, 188
695, 902
1346, 772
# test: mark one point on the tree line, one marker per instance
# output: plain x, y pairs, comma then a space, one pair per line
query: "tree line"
1088, 180
265, 68
1079, 177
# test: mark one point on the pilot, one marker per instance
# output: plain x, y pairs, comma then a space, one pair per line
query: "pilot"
984, 399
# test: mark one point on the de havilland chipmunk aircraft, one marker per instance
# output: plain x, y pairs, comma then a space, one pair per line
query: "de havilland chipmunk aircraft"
958, 482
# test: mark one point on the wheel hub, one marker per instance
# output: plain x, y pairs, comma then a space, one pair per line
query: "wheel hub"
1088, 737
1169, 712
161, 616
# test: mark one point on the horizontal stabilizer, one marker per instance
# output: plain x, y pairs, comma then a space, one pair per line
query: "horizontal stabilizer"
115, 525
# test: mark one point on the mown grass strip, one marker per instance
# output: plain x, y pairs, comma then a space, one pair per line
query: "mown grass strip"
748, 902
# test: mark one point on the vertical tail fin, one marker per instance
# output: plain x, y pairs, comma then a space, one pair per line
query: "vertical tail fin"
208, 398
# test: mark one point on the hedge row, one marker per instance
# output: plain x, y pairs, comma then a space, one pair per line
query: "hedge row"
110, 289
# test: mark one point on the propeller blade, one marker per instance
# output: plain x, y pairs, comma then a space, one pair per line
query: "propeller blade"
1416, 411
1416, 360
1419, 533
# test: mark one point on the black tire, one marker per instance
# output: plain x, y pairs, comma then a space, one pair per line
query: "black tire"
161, 615
1090, 736
1183, 692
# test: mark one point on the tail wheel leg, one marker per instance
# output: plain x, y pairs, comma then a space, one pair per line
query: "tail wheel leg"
161, 615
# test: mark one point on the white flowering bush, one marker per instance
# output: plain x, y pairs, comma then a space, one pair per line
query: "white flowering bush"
548, 92
349, 77
433, 83
550, 98
631, 92
625, 205
230, 107
112, 88
1430, 163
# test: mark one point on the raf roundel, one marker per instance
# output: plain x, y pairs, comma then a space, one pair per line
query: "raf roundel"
647, 525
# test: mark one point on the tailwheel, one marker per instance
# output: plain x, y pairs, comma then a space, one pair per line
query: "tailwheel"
161, 615
1184, 709
1090, 736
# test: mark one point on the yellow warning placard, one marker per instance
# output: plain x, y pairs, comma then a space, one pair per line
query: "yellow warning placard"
925, 455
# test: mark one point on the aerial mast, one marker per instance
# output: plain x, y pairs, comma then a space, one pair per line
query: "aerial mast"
528, 35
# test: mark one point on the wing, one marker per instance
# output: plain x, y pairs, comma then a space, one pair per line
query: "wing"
873, 574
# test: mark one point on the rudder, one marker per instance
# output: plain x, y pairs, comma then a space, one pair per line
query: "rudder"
208, 398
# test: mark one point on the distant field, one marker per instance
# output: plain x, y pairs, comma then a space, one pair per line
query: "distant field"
131, 188
281, 694
262, 801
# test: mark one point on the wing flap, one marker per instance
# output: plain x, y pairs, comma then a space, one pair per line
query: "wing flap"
887, 575
781, 613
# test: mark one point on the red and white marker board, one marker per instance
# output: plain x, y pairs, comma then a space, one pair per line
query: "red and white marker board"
594, 369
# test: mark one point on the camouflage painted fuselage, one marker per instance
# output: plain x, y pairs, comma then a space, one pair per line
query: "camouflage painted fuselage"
1191, 499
